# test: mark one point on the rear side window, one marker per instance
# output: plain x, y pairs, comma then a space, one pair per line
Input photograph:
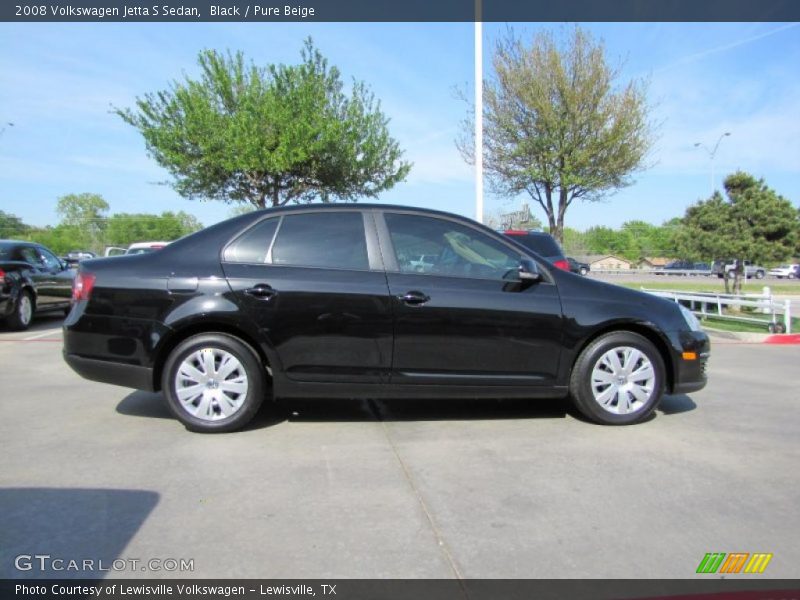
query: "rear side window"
544, 245
331, 240
253, 245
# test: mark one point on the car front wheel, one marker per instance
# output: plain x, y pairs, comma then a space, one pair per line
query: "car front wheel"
213, 383
618, 379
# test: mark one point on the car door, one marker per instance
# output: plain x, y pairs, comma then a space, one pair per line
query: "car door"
38, 274
467, 319
57, 278
316, 289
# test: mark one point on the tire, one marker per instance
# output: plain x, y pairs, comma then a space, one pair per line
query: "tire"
640, 396
790, 276
202, 404
22, 316
583, 272
760, 274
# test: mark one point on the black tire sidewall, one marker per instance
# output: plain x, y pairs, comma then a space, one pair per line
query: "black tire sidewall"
255, 379
14, 320
580, 382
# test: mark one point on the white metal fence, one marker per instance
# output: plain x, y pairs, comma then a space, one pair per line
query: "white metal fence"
706, 304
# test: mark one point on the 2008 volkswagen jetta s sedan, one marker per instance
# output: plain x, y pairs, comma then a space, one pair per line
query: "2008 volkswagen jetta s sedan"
348, 301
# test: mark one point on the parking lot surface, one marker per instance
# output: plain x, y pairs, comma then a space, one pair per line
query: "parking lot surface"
364, 488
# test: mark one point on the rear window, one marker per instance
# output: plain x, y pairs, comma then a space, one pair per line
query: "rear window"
331, 240
5, 251
544, 245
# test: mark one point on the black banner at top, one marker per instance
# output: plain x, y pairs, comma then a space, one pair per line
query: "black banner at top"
398, 10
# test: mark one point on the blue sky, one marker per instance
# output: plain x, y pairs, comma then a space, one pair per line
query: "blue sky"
58, 81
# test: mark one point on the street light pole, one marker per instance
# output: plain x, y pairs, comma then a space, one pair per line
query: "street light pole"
478, 112
711, 154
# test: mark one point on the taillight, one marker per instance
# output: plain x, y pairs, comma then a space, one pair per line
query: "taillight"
2, 277
82, 286
562, 264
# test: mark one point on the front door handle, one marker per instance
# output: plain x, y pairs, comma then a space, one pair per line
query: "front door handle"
414, 298
262, 291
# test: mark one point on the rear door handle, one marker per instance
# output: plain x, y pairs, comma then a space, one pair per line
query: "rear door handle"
414, 298
262, 291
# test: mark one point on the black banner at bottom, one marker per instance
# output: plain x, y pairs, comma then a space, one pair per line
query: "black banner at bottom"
415, 589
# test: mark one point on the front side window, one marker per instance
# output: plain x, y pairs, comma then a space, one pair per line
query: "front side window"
49, 260
331, 240
440, 247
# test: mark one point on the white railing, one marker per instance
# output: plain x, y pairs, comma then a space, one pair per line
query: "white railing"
665, 272
765, 303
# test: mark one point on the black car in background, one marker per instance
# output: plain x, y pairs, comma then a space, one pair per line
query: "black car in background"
32, 280
333, 301
542, 243
576, 266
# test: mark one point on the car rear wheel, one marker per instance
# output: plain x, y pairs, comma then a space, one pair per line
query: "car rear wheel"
22, 316
760, 274
583, 271
618, 379
213, 383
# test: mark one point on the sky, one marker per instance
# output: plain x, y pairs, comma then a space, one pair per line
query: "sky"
58, 83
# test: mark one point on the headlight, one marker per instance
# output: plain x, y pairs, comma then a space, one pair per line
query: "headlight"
691, 320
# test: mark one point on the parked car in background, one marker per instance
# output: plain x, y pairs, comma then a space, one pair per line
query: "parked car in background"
788, 271
75, 256
324, 301
543, 244
721, 268
32, 280
137, 248
575, 266
685, 267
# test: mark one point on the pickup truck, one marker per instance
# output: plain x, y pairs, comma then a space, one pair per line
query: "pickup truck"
721, 268
32, 280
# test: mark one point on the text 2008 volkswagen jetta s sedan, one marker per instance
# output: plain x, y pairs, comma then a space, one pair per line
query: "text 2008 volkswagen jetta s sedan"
371, 301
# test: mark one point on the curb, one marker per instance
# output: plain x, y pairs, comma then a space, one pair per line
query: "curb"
753, 338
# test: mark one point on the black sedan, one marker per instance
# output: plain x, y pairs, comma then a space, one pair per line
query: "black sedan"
32, 279
333, 301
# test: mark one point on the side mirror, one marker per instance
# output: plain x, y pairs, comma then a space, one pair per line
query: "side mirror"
528, 271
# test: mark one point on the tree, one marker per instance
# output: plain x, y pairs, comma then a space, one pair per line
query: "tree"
87, 214
127, 228
11, 226
558, 125
273, 135
604, 240
753, 223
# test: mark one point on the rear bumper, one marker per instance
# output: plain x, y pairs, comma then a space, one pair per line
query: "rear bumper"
132, 376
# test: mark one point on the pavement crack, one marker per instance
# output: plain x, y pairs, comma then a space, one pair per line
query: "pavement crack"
440, 541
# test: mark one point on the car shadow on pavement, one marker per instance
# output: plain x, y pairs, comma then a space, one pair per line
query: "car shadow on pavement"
675, 405
423, 409
153, 405
68, 524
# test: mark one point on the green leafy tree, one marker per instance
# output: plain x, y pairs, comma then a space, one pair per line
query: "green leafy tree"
87, 214
752, 223
604, 240
11, 226
574, 242
61, 238
269, 136
558, 124
126, 228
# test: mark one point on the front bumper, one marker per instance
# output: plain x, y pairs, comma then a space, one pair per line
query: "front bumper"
689, 375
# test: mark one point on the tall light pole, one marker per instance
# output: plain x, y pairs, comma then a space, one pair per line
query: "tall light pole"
711, 154
478, 112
